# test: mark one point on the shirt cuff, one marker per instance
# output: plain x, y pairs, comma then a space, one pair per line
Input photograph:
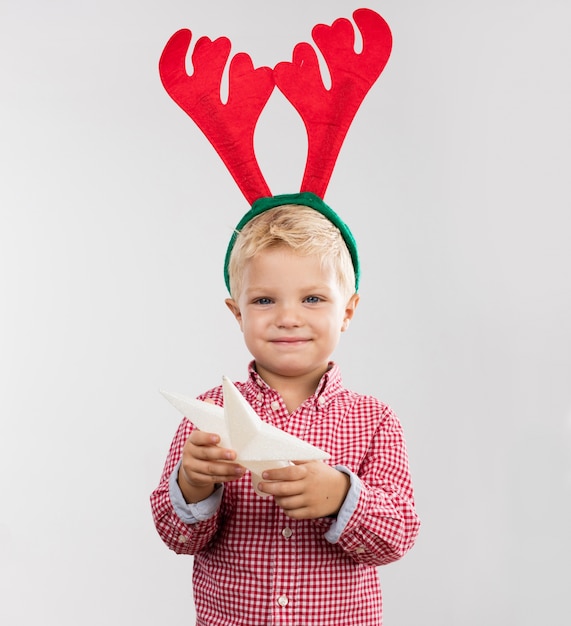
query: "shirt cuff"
347, 508
192, 513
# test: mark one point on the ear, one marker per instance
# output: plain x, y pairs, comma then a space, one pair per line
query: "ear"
235, 310
350, 311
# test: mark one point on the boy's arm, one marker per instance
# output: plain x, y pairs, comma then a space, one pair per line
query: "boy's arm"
373, 506
197, 509
174, 527
377, 524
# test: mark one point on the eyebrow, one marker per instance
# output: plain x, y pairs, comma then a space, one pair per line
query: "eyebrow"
307, 289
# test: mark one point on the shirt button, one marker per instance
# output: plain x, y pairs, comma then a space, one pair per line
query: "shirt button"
321, 400
283, 601
360, 550
182, 538
275, 405
287, 532
260, 396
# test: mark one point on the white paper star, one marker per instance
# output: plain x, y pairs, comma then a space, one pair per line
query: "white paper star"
259, 446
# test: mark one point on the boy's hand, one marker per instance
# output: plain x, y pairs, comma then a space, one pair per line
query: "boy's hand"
307, 490
204, 464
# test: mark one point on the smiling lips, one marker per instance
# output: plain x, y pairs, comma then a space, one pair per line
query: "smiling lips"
289, 341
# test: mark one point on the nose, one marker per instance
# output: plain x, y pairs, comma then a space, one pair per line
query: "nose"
288, 315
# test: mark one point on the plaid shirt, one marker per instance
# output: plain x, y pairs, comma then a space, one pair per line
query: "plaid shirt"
253, 565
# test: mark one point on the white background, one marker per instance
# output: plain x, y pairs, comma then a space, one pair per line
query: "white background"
114, 217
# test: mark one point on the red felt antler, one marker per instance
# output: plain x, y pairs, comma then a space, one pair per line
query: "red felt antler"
327, 114
229, 127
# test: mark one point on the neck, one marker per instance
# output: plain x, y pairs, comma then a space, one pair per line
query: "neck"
293, 389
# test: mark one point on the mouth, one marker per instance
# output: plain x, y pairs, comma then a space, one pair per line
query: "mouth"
289, 341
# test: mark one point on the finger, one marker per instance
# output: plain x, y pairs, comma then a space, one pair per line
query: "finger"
290, 503
202, 438
281, 489
292, 472
222, 472
200, 472
202, 445
300, 513
297, 507
294, 507
209, 453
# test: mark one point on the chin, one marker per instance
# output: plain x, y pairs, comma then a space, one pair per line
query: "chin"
293, 370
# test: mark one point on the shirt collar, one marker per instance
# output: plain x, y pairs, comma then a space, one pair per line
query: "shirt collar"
328, 387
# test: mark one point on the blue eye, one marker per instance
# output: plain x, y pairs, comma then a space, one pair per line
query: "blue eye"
263, 301
312, 299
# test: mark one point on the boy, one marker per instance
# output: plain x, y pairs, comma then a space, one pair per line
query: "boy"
307, 554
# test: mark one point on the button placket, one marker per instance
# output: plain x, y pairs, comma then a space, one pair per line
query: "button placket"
286, 581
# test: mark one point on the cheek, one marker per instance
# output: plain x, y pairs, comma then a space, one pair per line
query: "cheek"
332, 326
250, 325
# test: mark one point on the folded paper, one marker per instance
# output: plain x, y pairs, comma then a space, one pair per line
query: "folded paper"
259, 446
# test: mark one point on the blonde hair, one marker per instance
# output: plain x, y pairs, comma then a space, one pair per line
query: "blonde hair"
305, 231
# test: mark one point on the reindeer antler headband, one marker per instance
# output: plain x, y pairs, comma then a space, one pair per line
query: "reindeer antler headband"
326, 113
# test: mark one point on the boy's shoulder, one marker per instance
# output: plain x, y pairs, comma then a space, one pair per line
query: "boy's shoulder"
365, 402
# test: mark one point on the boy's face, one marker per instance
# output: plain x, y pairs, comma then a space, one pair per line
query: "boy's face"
291, 311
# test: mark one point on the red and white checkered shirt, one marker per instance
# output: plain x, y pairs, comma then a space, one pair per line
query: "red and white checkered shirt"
253, 565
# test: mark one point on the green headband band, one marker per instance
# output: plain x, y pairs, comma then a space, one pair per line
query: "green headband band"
304, 198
